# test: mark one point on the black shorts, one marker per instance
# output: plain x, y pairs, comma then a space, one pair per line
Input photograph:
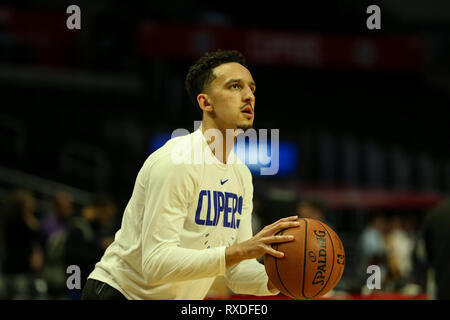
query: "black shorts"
98, 290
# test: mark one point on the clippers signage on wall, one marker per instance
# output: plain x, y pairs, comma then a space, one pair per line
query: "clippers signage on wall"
266, 47
45, 37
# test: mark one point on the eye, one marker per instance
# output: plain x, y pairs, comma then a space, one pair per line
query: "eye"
235, 86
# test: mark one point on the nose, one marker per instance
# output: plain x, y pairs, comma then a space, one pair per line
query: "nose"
249, 96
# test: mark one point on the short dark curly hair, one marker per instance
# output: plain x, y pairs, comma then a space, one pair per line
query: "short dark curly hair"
201, 74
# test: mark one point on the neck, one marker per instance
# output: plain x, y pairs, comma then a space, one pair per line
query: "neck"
220, 140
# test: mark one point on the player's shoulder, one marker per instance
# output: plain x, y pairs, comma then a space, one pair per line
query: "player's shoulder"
174, 157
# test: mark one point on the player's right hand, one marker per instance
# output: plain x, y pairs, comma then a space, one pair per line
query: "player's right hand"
261, 243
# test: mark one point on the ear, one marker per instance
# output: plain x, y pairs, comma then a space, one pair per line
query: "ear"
204, 102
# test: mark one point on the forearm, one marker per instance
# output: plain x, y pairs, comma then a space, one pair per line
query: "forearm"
234, 255
173, 263
249, 277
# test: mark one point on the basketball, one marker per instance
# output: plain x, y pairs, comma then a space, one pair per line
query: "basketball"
313, 262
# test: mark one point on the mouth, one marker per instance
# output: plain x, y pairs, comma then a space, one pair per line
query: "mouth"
247, 111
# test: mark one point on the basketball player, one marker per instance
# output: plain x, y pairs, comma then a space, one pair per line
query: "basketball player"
186, 222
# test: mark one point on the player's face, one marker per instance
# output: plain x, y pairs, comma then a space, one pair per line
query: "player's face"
232, 96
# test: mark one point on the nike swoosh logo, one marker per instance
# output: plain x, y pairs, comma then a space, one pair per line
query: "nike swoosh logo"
223, 182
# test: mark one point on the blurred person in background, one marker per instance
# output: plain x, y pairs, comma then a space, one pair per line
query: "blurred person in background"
310, 208
436, 237
372, 245
399, 254
89, 235
56, 220
24, 254
54, 233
